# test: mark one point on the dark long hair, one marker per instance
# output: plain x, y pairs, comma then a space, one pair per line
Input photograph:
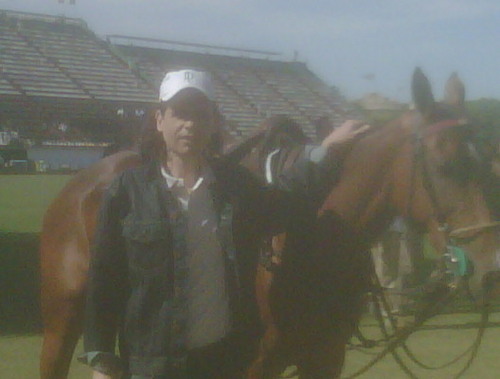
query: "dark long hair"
281, 132
152, 146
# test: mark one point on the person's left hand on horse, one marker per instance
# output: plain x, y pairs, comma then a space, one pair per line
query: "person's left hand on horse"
345, 134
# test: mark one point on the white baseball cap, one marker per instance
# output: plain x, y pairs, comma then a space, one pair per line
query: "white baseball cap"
175, 81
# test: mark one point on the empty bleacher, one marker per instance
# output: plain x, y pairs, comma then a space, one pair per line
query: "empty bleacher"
44, 57
31, 72
248, 89
87, 60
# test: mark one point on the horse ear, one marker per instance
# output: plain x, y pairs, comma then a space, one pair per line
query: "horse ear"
422, 92
454, 93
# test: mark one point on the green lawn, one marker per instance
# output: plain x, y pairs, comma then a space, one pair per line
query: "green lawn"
20, 359
437, 345
20, 354
24, 199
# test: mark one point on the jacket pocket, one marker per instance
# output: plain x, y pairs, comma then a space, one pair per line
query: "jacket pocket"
148, 245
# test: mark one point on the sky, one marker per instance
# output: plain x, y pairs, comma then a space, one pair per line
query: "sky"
359, 46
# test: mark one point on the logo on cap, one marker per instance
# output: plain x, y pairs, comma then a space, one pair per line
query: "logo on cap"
176, 81
188, 76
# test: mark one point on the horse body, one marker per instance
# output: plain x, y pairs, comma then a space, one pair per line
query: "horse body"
67, 231
282, 144
313, 302
419, 167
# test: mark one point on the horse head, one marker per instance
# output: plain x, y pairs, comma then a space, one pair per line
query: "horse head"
424, 167
452, 199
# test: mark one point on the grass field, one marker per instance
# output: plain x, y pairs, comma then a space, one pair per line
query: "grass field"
443, 338
24, 199
435, 345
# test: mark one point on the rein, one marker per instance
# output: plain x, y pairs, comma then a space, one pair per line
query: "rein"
456, 264
399, 338
469, 233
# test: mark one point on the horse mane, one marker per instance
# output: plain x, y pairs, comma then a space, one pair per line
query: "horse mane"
367, 166
364, 175
280, 131
380, 140
460, 170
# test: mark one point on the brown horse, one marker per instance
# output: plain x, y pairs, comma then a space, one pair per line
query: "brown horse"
66, 235
67, 232
69, 224
419, 166
282, 143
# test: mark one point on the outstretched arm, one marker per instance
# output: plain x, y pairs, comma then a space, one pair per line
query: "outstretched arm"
303, 187
342, 138
318, 171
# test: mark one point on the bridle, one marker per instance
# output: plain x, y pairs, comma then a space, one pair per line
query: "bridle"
456, 261
456, 264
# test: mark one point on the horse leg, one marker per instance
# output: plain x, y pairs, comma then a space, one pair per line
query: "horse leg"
322, 366
270, 361
62, 328
324, 361
263, 282
64, 277
323, 355
275, 363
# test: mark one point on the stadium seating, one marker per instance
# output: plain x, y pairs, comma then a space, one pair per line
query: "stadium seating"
29, 72
45, 57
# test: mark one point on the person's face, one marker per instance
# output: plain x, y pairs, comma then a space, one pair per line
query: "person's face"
187, 123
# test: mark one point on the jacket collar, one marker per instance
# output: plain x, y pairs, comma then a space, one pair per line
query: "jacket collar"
216, 184
206, 176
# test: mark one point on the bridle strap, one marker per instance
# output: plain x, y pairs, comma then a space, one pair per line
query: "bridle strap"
470, 232
428, 184
457, 235
419, 157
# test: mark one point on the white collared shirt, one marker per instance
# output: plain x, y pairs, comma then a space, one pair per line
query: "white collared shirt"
208, 300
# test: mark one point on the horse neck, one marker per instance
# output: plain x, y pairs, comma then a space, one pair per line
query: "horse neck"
363, 197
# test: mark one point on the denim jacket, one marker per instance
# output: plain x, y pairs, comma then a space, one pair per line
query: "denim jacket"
137, 272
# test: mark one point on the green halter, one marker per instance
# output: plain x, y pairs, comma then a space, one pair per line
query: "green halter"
457, 262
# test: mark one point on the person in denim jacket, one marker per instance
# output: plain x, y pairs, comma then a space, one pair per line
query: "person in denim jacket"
173, 263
